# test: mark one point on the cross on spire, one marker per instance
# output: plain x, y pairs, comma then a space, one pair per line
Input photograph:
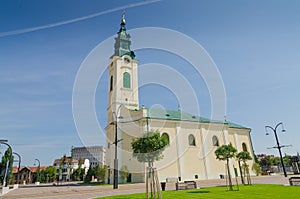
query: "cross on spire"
123, 18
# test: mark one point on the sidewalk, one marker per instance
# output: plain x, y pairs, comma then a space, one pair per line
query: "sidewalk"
86, 192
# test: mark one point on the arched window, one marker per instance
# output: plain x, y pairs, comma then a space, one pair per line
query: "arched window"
126, 80
244, 146
215, 141
192, 141
166, 136
111, 83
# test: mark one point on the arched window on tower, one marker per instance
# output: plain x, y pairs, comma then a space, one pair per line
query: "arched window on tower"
126, 80
166, 136
111, 83
192, 141
215, 141
244, 146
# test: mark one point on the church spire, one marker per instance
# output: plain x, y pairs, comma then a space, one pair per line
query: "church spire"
123, 23
122, 41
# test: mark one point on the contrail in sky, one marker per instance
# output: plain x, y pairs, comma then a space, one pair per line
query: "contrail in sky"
26, 30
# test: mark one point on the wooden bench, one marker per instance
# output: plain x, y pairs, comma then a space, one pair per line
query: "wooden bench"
181, 186
294, 181
191, 184
186, 185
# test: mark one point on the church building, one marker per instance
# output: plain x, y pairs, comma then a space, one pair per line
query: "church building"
192, 139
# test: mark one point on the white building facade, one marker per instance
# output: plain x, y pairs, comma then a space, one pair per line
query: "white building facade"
95, 154
66, 166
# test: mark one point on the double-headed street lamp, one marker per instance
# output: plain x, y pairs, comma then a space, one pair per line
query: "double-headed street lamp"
116, 175
18, 178
8, 164
277, 142
39, 166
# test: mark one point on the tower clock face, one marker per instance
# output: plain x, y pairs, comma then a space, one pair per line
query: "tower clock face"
126, 60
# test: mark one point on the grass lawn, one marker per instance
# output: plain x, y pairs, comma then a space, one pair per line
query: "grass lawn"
248, 192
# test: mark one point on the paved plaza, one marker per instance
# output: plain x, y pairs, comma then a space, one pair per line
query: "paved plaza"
74, 191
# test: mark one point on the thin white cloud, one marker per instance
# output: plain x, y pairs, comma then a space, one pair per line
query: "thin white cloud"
23, 106
13, 77
26, 30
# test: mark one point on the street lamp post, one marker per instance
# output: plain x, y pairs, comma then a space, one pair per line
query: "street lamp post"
116, 175
39, 166
18, 177
8, 165
277, 142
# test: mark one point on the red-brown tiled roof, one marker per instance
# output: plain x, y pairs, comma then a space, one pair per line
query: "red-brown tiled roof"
15, 169
57, 161
32, 169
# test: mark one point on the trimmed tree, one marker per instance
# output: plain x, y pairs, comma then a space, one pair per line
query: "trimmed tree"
70, 167
89, 175
256, 168
224, 153
6, 163
48, 174
100, 172
244, 156
148, 149
62, 163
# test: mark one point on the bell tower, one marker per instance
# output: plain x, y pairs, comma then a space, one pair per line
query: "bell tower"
123, 75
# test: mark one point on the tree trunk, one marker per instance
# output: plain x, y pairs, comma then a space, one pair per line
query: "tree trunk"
241, 173
229, 176
147, 183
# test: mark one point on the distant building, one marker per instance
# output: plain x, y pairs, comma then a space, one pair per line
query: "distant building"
27, 174
263, 156
95, 154
65, 166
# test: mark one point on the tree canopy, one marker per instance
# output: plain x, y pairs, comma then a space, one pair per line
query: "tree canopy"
99, 172
243, 156
48, 174
149, 147
3, 163
225, 152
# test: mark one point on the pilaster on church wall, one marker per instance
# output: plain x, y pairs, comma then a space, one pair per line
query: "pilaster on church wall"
214, 167
203, 149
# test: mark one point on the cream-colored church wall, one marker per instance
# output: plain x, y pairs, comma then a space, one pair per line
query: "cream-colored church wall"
109, 147
232, 140
168, 166
162, 125
129, 131
243, 136
215, 168
191, 164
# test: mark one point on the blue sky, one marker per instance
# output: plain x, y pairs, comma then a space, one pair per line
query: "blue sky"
255, 45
